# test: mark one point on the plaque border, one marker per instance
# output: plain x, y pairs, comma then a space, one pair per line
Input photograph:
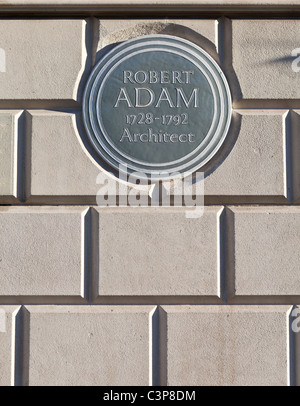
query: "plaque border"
160, 171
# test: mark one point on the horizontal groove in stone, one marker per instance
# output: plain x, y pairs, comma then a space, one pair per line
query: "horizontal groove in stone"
26, 300
90, 201
147, 300
245, 200
86, 205
261, 104
39, 104
73, 5
264, 300
58, 105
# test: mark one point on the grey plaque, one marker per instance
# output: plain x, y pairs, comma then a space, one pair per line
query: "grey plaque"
158, 104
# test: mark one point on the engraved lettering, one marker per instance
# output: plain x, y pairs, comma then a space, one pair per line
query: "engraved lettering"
174, 138
142, 137
176, 76
141, 77
153, 76
181, 95
188, 74
152, 137
190, 137
123, 96
126, 135
150, 104
127, 75
144, 90
164, 96
183, 138
165, 76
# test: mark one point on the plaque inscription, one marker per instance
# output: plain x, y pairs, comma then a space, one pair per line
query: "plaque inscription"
159, 105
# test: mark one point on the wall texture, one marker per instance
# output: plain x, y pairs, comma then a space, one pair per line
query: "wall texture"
95, 295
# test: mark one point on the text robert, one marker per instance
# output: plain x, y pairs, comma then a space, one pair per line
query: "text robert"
145, 97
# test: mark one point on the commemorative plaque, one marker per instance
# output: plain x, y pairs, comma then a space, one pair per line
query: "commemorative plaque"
158, 105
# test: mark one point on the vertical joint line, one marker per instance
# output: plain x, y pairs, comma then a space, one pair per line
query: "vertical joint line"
17, 348
291, 350
16, 156
95, 39
154, 347
19, 156
221, 233
86, 255
217, 36
220, 40
229, 256
287, 158
151, 348
83, 61
27, 152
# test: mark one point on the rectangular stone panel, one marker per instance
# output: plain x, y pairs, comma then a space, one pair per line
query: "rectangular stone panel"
36, 58
84, 345
252, 161
265, 253
262, 57
41, 251
224, 345
251, 164
60, 165
149, 252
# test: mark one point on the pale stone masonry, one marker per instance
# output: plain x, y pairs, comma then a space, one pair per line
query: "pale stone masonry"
43, 258
262, 59
263, 151
234, 345
7, 318
49, 135
109, 346
266, 256
49, 70
152, 259
8, 155
122, 295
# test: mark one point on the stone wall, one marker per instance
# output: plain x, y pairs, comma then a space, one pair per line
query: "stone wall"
95, 295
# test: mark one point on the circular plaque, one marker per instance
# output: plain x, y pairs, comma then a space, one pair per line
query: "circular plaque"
157, 105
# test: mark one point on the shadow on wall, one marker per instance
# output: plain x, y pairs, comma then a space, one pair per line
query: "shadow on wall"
102, 46
163, 28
